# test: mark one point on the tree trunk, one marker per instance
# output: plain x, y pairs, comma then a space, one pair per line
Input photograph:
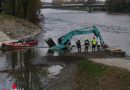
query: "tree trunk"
14, 7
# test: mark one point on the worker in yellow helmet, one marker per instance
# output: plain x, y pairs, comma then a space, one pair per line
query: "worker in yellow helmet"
94, 42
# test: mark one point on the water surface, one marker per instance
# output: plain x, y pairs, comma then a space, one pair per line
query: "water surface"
115, 28
29, 68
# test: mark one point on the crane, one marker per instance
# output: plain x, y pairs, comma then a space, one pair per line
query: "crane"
64, 41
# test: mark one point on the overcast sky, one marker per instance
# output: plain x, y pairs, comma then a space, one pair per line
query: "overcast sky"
51, 0
47, 0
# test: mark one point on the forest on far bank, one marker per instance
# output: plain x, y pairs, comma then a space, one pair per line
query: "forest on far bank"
119, 6
26, 9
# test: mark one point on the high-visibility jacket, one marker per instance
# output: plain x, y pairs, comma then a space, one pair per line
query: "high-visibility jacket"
94, 42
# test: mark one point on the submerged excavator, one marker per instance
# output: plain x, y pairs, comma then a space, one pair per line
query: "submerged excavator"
65, 41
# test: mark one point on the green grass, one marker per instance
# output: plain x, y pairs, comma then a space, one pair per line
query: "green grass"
5, 16
91, 68
95, 76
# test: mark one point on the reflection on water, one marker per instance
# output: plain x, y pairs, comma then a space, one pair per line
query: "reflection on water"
20, 69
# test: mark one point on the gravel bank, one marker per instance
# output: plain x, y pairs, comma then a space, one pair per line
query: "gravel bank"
14, 28
117, 62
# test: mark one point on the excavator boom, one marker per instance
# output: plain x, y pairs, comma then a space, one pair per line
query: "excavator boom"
64, 41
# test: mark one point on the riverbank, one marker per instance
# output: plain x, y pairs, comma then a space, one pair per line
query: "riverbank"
92, 71
95, 76
13, 28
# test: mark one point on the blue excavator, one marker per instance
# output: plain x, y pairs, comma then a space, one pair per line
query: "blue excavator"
65, 41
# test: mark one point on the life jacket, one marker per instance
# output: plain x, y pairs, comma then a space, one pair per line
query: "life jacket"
86, 42
94, 42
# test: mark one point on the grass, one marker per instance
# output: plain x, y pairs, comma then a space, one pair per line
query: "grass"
94, 76
5, 16
91, 68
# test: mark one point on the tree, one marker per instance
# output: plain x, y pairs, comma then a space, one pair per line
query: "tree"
22, 8
118, 5
1, 6
13, 6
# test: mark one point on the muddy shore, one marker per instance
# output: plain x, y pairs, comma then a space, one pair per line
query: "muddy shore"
66, 79
13, 28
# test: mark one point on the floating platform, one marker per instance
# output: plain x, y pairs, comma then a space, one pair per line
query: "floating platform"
115, 51
104, 53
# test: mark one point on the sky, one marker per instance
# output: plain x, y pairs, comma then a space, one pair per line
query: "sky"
47, 0
51, 0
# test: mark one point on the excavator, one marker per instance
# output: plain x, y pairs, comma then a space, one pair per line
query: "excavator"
65, 41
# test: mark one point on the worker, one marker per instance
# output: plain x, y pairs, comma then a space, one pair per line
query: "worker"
86, 44
98, 45
78, 44
94, 42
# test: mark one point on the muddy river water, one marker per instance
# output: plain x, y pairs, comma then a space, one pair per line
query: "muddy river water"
31, 70
115, 29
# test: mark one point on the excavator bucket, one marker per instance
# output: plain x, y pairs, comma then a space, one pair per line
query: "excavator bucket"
50, 42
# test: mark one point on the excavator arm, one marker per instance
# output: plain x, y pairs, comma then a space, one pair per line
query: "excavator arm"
65, 40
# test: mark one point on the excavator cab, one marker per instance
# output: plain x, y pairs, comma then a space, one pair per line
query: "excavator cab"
50, 42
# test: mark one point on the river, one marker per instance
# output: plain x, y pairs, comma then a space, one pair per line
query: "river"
115, 28
30, 69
